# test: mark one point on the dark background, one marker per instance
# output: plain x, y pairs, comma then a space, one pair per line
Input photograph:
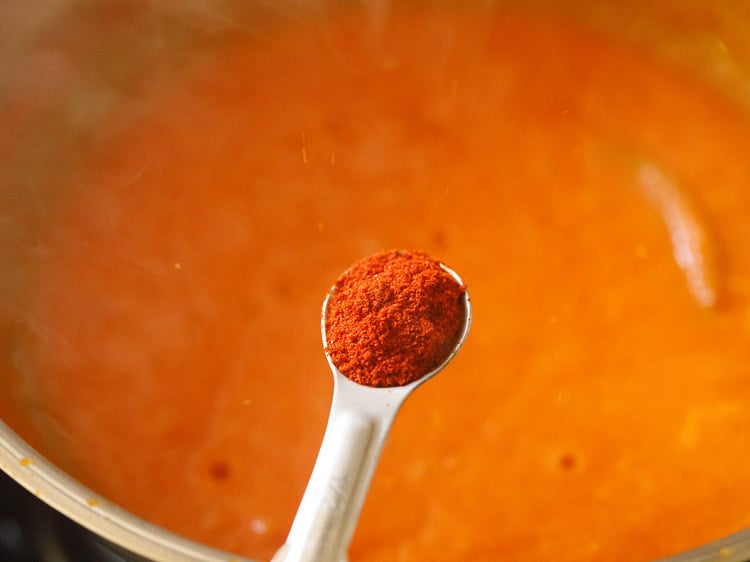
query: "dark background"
31, 531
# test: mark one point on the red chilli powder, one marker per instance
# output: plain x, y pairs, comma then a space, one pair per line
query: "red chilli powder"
392, 318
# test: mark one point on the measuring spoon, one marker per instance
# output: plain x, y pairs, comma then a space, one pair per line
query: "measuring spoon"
358, 425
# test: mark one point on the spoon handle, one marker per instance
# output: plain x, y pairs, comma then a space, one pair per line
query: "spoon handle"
330, 506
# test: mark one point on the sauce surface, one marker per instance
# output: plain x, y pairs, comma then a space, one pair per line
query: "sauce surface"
594, 200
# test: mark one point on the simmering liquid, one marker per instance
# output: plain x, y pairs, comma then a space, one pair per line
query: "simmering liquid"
594, 200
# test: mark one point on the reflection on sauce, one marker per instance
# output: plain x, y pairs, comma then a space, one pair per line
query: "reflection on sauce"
173, 340
692, 250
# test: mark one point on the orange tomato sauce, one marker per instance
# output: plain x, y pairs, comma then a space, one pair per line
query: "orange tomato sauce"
583, 190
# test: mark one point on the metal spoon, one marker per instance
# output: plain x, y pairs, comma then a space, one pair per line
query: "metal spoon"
358, 425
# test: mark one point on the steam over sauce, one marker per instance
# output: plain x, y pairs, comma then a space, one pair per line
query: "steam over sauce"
596, 200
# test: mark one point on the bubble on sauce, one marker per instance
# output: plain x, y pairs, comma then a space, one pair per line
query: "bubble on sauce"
219, 470
258, 526
439, 239
281, 289
562, 461
567, 462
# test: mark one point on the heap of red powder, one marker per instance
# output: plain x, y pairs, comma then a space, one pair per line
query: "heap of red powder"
392, 318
